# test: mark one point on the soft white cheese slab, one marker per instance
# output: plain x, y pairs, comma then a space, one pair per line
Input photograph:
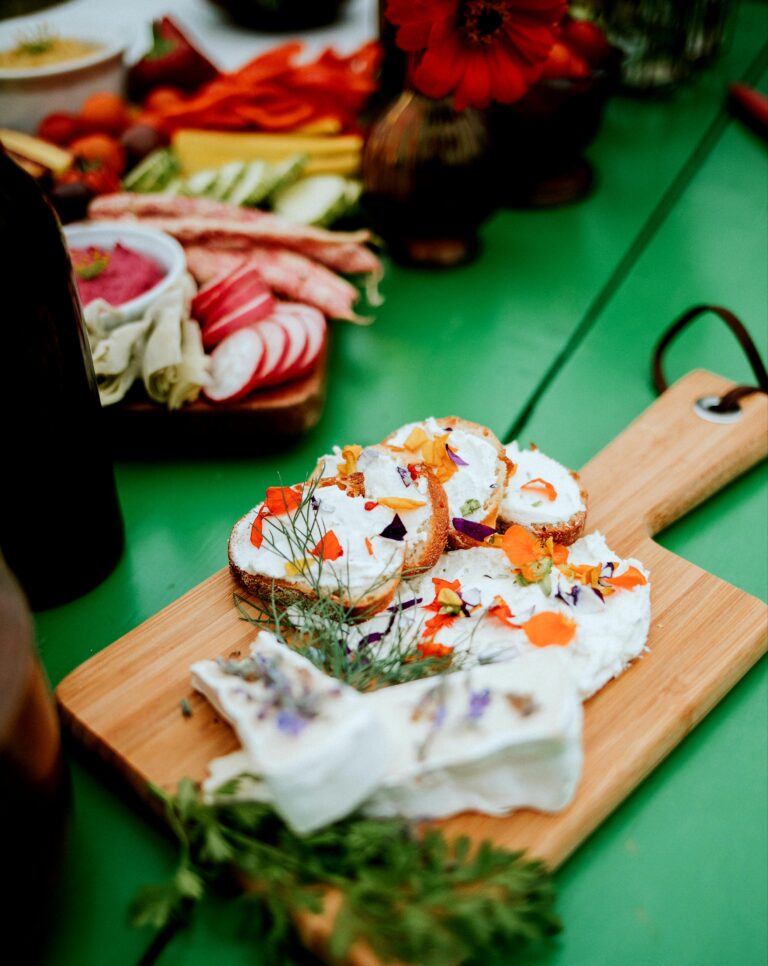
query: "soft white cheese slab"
490, 739
532, 506
314, 741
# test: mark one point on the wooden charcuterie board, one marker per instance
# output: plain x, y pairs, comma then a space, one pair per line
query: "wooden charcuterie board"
705, 634
261, 423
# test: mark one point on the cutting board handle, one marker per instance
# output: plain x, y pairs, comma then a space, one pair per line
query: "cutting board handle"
671, 458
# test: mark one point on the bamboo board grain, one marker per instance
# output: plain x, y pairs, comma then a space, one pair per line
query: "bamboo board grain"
705, 634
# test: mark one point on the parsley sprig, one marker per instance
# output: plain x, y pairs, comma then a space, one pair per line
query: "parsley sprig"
418, 898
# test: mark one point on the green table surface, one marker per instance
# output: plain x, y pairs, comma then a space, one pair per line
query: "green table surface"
548, 335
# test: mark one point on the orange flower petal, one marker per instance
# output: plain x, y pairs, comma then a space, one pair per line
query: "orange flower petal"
549, 628
369, 546
282, 499
630, 579
521, 546
328, 547
500, 609
257, 529
433, 649
540, 486
437, 623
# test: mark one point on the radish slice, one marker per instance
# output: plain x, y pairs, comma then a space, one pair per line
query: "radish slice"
258, 308
297, 340
316, 329
234, 297
235, 365
275, 342
210, 292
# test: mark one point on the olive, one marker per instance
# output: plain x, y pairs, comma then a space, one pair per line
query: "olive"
71, 200
139, 140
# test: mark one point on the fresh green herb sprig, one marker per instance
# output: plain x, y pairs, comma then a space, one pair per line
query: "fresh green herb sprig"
421, 899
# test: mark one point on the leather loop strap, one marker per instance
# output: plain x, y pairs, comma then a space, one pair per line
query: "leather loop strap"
730, 401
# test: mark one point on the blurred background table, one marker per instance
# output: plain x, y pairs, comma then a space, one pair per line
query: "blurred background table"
547, 335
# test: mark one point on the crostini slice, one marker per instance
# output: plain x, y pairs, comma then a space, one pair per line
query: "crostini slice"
543, 496
313, 539
470, 463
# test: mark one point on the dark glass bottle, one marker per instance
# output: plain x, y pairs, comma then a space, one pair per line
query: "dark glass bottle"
34, 781
61, 529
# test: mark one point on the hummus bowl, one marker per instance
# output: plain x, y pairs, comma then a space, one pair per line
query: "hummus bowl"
28, 94
165, 251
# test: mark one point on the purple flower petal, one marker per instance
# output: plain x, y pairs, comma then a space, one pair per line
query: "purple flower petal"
405, 476
477, 531
454, 457
396, 530
290, 723
372, 638
405, 605
598, 593
478, 702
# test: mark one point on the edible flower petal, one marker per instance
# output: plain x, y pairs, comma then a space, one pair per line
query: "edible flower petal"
630, 579
476, 531
416, 439
500, 609
400, 503
549, 628
369, 547
395, 530
433, 649
540, 487
454, 456
283, 499
350, 454
257, 527
404, 475
328, 547
437, 623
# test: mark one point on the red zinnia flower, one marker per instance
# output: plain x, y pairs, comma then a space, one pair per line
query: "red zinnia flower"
477, 50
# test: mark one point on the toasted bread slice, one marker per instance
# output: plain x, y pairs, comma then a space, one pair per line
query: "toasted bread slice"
468, 460
543, 496
329, 544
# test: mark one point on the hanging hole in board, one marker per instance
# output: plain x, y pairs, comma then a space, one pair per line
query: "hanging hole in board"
704, 409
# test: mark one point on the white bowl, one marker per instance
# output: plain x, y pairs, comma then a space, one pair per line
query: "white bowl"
27, 95
163, 249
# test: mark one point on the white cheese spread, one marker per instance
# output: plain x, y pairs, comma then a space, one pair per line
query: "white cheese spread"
531, 505
477, 482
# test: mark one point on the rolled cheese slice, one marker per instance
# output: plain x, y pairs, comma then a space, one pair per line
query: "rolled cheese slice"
489, 739
314, 742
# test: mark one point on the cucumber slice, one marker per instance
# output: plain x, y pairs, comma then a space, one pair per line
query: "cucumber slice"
257, 181
200, 183
173, 188
286, 173
317, 200
153, 173
227, 177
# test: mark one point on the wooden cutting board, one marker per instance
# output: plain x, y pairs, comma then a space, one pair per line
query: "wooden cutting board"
705, 634
262, 422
